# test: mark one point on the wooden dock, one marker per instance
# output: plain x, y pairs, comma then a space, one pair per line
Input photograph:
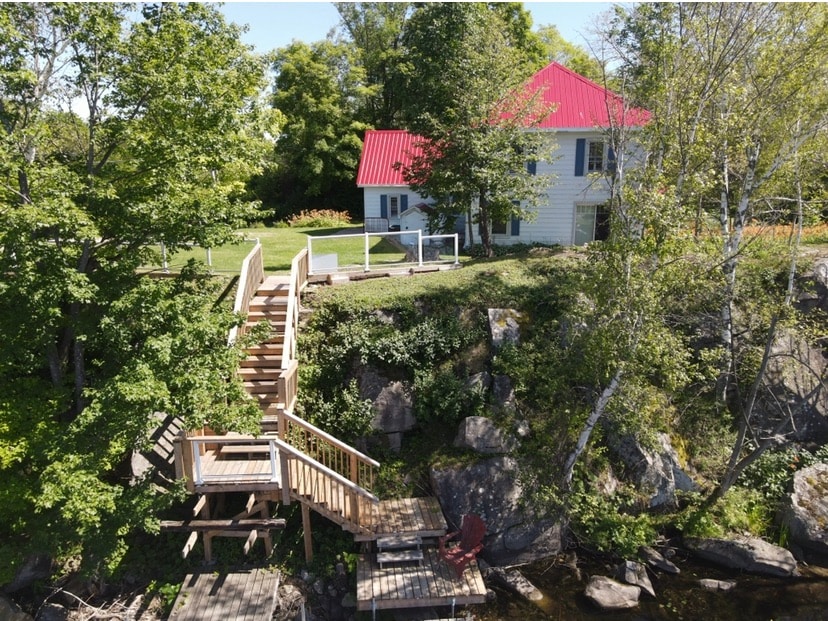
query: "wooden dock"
249, 594
415, 585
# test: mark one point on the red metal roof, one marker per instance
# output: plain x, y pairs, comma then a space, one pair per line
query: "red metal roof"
581, 103
381, 150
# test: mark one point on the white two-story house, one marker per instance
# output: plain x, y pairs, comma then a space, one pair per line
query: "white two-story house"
574, 212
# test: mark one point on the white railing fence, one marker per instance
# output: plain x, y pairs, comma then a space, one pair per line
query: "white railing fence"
329, 263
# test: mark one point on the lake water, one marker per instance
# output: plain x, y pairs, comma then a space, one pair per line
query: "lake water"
678, 597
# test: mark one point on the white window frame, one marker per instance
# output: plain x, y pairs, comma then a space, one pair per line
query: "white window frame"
394, 206
583, 208
596, 161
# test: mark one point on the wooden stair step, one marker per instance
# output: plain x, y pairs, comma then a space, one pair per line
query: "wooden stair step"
268, 398
260, 386
269, 300
271, 318
260, 373
399, 556
273, 340
273, 360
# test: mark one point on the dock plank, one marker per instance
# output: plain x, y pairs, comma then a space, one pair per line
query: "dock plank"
247, 595
433, 583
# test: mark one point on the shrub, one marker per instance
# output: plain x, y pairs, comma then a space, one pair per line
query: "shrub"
599, 522
476, 251
740, 510
443, 398
319, 218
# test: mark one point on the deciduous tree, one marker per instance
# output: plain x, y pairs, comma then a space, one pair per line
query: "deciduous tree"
465, 98
91, 348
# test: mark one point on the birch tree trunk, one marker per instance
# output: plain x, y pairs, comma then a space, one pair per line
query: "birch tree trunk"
586, 432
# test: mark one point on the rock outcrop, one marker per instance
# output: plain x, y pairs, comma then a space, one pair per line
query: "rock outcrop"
656, 472
490, 488
504, 326
392, 404
480, 434
806, 516
636, 574
745, 553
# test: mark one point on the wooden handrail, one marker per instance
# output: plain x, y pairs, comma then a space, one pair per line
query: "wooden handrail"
298, 280
330, 439
250, 277
287, 448
288, 384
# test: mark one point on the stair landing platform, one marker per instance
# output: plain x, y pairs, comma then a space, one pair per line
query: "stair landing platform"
421, 516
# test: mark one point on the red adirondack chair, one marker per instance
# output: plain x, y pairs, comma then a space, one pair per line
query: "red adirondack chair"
471, 533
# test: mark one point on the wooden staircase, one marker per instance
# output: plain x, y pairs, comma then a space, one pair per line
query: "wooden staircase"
291, 460
263, 368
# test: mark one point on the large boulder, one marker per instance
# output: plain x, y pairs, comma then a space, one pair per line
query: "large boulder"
814, 292
514, 581
635, 573
744, 553
503, 393
504, 324
794, 378
609, 594
657, 471
9, 611
480, 434
490, 489
35, 567
806, 515
392, 404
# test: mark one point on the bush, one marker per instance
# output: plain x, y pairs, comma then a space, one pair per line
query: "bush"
476, 251
600, 522
740, 510
443, 398
319, 219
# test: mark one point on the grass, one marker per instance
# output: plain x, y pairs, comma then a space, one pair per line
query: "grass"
280, 245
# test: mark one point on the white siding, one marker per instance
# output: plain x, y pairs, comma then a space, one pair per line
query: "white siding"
371, 199
554, 221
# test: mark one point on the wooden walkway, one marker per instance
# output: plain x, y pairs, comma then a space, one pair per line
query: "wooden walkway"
247, 594
411, 585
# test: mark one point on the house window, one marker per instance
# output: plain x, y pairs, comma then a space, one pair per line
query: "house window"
591, 223
394, 206
595, 156
499, 228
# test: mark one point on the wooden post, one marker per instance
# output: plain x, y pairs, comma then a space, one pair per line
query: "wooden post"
186, 449
306, 531
190, 544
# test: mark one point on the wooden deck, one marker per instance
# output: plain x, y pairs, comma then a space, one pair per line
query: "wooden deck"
412, 585
421, 516
248, 594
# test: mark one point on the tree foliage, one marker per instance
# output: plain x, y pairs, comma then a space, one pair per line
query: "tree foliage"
375, 31
161, 137
464, 78
318, 147
738, 96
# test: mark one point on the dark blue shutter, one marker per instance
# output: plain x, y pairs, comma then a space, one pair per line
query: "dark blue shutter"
532, 167
611, 163
515, 226
580, 153
384, 206
403, 203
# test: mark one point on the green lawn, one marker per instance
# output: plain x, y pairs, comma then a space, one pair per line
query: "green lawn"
280, 245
